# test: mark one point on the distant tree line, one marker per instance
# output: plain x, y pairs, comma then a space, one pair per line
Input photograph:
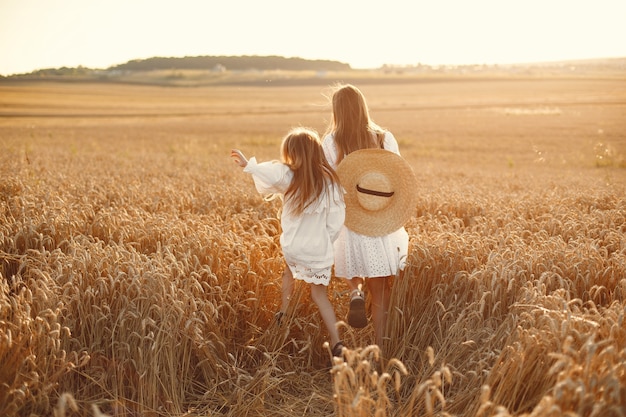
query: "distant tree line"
59, 72
236, 63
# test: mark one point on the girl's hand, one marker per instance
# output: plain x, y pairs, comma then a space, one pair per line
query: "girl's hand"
238, 158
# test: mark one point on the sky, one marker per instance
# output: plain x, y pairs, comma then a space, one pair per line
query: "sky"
38, 34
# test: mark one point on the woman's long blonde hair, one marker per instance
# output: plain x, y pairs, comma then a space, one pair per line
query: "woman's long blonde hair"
302, 151
351, 125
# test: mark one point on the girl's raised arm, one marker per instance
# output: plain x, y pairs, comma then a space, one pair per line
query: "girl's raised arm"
238, 157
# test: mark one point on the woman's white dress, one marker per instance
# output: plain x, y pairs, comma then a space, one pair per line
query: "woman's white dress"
358, 255
306, 239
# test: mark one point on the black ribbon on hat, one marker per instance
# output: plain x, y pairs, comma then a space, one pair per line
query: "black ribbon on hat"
374, 192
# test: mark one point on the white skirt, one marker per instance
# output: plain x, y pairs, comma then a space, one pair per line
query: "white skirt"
357, 255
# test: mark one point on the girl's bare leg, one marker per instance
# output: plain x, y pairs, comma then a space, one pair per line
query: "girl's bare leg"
286, 289
319, 295
380, 292
355, 284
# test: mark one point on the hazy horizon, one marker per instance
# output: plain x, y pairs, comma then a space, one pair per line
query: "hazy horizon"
323, 59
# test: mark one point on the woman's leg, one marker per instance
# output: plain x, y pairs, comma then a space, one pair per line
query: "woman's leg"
380, 292
319, 295
355, 284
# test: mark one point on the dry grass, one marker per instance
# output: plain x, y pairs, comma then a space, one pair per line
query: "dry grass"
140, 271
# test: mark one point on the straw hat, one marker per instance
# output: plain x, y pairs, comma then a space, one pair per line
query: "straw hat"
381, 191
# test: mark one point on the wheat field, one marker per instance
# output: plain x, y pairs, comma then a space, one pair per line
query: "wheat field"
140, 270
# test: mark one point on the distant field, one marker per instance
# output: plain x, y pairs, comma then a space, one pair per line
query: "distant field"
140, 270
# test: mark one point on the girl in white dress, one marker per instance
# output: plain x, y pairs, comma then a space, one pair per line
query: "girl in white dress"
312, 216
359, 257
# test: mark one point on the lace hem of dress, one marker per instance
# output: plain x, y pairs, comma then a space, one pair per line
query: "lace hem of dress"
319, 279
311, 276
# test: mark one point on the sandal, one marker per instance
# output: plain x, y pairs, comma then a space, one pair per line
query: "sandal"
338, 349
356, 314
278, 317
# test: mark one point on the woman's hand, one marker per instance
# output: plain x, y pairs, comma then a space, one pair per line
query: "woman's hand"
238, 158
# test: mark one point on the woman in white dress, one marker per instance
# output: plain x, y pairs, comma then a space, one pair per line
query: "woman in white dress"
312, 216
372, 260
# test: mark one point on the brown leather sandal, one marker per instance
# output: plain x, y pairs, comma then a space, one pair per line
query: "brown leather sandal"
356, 314
278, 317
338, 349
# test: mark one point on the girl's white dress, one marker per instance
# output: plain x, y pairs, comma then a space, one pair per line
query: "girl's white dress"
306, 239
358, 255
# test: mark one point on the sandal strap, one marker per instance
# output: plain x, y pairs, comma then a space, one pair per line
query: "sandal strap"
338, 348
356, 293
278, 317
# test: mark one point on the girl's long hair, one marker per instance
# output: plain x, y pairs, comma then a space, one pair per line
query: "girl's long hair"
302, 151
351, 124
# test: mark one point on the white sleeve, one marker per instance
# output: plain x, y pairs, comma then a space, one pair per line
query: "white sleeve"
336, 213
269, 177
390, 143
